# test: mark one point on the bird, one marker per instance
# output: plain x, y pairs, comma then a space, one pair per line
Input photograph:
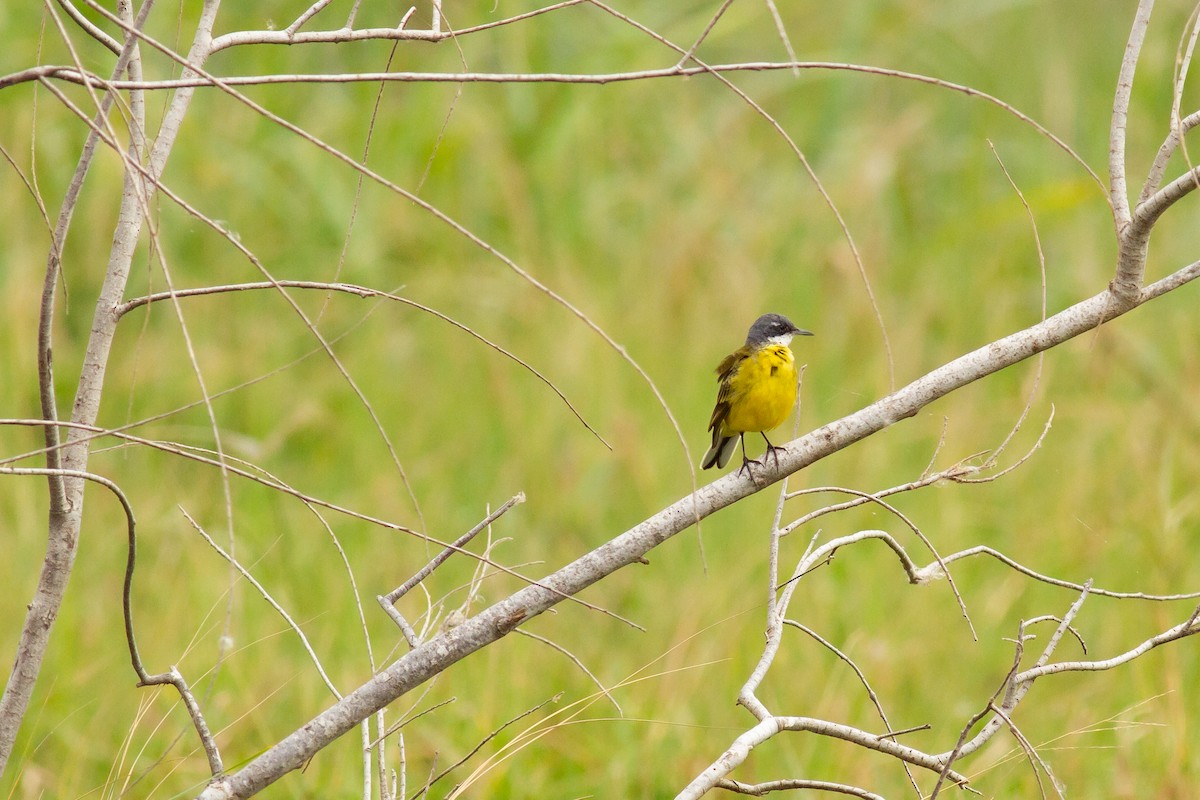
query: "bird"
757, 389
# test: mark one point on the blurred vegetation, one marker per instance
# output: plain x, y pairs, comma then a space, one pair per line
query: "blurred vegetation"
671, 214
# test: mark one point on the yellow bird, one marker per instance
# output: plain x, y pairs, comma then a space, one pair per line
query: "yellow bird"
757, 389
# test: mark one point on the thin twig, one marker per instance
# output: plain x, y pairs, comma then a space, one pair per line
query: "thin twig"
1184, 629
484, 741
391, 597
312, 11
413, 718
712, 23
347, 34
781, 29
72, 75
365, 292
575, 660
1024, 570
912, 526
1031, 753
172, 676
271, 600
89, 27
862, 677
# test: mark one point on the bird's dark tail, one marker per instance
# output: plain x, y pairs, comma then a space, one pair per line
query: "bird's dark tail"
718, 455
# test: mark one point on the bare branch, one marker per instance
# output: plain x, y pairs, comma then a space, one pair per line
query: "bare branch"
346, 34
391, 597
766, 787
358, 291
1133, 236
1024, 570
83, 22
73, 75
1031, 753
245, 573
1159, 168
741, 747
1184, 629
172, 676
1120, 116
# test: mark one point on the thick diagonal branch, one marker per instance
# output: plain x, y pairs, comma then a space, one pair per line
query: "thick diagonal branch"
434, 656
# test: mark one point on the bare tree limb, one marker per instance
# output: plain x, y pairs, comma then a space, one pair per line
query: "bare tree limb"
631, 547
358, 291
171, 676
83, 22
66, 512
391, 597
740, 749
1184, 629
1168, 148
766, 787
73, 75
291, 34
1118, 129
1132, 239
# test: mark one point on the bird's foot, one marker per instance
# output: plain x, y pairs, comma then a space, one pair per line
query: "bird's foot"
773, 452
745, 467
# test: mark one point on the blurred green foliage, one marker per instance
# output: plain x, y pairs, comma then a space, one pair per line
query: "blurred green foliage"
671, 214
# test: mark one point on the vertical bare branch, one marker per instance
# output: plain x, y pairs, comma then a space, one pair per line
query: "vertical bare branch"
63, 516
1117, 136
66, 512
1133, 240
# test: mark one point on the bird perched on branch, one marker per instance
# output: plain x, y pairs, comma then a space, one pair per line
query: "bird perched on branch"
757, 390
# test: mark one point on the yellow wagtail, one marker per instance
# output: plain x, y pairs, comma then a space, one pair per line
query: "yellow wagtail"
757, 389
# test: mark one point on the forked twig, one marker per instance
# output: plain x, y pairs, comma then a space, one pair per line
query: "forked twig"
389, 600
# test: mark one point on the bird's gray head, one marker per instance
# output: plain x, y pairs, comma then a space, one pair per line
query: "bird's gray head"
773, 329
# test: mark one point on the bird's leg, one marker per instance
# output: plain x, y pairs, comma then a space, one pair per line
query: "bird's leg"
771, 449
746, 460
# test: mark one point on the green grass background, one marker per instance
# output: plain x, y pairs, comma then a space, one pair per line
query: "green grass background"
671, 215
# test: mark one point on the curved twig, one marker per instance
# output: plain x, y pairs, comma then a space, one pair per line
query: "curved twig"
1024, 570
358, 291
145, 678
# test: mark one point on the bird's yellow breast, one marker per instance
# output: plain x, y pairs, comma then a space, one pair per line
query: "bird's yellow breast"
762, 390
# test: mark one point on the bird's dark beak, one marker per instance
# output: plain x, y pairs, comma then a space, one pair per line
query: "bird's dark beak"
802, 332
